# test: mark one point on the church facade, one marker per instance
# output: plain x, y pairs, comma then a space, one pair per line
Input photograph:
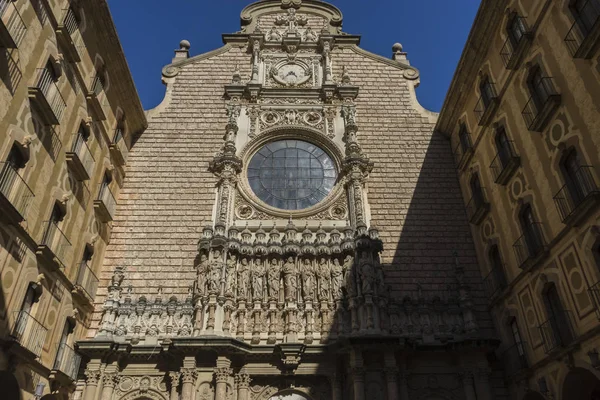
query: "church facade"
290, 227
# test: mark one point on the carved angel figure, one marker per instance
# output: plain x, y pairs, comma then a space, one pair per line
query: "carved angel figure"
324, 276
310, 35
257, 280
289, 279
273, 276
336, 279
307, 279
230, 275
273, 35
243, 277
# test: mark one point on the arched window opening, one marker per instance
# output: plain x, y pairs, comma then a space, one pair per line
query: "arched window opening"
531, 243
557, 331
67, 360
516, 354
517, 41
507, 160
27, 330
478, 206
486, 89
582, 37
498, 267
586, 14
543, 100
516, 29
465, 138
105, 203
80, 159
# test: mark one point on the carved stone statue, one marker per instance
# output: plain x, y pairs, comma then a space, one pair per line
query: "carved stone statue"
289, 279
243, 279
349, 279
214, 276
258, 275
307, 274
324, 276
336, 279
273, 277
366, 274
379, 279
230, 275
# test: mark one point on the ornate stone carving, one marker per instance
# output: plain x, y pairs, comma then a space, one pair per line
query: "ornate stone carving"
222, 375
290, 279
189, 375
92, 376
273, 277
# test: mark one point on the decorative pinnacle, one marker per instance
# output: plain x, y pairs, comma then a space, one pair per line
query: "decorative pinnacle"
184, 45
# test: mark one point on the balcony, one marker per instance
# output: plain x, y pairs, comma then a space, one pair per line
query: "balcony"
486, 106
66, 364
577, 198
96, 98
47, 98
515, 359
118, 148
105, 205
54, 247
12, 27
530, 247
495, 282
541, 105
478, 207
513, 50
80, 159
15, 195
582, 38
504, 165
86, 285
29, 333
463, 152
69, 35
557, 332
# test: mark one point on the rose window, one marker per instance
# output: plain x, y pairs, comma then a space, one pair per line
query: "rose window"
291, 174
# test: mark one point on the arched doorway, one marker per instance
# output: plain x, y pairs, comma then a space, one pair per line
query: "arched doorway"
534, 396
289, 395
581, 384
10, 386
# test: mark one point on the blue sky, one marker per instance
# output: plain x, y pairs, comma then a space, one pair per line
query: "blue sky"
433, 32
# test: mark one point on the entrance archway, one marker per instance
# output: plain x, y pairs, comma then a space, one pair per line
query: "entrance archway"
290, 395
534, 396
10, 386
581, 384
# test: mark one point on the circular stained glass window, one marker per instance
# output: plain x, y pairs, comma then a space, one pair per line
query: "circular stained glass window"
291, 174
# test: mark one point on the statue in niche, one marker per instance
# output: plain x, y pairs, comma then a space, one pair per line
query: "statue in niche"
379, 278
230, 275
324, 276
366, 274
273, 35
214, 276
258, 275
310, 35
273, 277
349, 280
336, 279
307, 279
243, 277
289, 279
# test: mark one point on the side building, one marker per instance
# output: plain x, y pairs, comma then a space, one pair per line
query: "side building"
523, 119
68, 114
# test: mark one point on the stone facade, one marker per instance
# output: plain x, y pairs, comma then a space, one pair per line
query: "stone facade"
525, 135
213, 294
65, 93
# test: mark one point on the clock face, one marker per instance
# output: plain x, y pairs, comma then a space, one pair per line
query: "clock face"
291, 73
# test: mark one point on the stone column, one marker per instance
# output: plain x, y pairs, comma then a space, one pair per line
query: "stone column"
92, 377
109, 380
467, 380
336, 387
404, 385
391, 377
483, 385
188, 378
222, 375
174, 377
358, 379
243, 383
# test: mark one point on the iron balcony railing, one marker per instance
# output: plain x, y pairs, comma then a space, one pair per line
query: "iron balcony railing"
14, 189
46, 85
56, 241
29, 332
557, 331
586, 22
119, 147
574, 193
486, 104
463, 149
87, 280
97, 87
478, 206
495, 281
71, 24
108, 200
513, 46
505, 158
81, 149
515, 358
14, 27
537, 109
67, 361
530, 245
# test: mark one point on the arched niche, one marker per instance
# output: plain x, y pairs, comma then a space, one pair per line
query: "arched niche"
10, 386
533, 396
581, 384
290, 395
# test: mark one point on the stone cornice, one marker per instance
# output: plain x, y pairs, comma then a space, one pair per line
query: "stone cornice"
114, 57
485, 27
410, 72
171, 70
